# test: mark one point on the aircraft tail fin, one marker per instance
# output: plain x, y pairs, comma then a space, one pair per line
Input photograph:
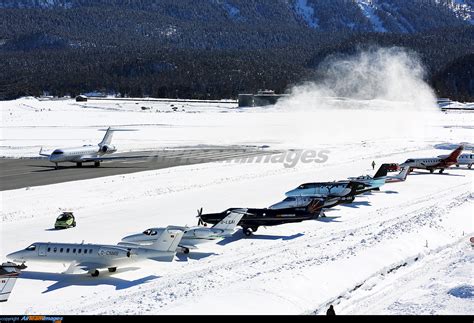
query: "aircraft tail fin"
107, 137
230, 221
381, 172
9, 272
453, 157
403, 174
168, 240
315, 206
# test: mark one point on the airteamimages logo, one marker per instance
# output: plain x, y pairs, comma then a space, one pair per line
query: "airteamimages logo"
42, 318
289, 158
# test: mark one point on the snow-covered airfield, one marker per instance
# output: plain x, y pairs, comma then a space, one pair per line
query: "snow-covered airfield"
403, 250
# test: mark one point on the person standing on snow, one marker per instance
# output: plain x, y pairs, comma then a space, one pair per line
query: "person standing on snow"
373, 164
330, 311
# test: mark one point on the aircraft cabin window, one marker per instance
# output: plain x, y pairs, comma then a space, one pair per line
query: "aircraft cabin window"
79, 250
90, 250
85, 250
49, 249
31, 248
74, 250
61, 250
67, 250
55, 249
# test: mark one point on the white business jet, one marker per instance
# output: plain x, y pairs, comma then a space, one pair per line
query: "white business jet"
92, 257
192, 235
87, 153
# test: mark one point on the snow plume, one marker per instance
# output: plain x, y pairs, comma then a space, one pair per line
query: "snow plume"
380, 89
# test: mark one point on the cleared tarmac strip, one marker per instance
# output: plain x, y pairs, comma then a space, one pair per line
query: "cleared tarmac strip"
20, 173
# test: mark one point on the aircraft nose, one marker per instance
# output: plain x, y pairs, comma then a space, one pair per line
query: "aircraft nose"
16, 256
131, 238
275, 206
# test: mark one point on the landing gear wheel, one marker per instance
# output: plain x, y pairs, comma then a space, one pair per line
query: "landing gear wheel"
457, 165
186, 251
431, 171
469, 166
112, 269
97, 164
56, 166
254, 229
247, 232
79, 164
441, 171
95, 273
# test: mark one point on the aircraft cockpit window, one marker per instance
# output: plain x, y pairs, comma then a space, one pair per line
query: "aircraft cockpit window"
31, 248
409, 161
57, 152
147, 232
289, 199
153, 233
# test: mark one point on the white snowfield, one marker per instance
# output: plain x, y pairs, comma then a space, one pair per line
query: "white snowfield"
403, 250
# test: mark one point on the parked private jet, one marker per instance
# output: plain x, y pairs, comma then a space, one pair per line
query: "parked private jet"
303, 201
432, 164
373, 183
253, 218
87, 153
92, 257
192, 235
327, 189
463, 159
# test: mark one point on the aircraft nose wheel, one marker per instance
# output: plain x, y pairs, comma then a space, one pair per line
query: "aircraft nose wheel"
112, 269
247, 232
95, 273
186, 251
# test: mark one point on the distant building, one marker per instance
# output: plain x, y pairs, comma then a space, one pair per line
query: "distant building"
81, 98
262, 98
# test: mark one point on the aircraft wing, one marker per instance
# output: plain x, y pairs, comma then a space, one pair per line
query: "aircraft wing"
84, 267
100, 158
189, 246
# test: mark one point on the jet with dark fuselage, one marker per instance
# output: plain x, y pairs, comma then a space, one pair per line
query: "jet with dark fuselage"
254, 218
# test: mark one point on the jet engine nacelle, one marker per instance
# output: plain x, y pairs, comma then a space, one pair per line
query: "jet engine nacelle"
107, 148
114, 252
